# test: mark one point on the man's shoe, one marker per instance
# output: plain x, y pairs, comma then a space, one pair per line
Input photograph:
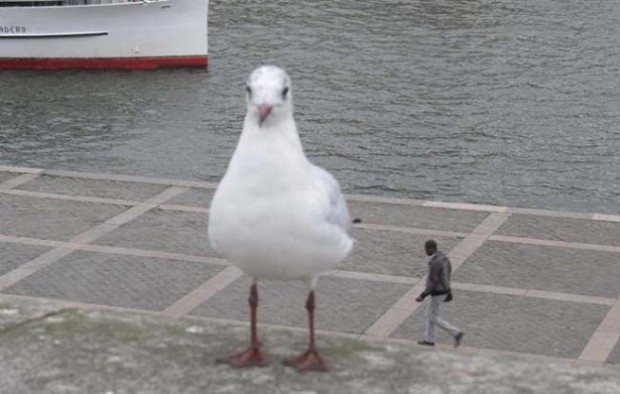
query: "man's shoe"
426, 343
458, 338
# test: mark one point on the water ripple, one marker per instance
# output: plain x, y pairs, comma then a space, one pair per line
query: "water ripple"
504, 102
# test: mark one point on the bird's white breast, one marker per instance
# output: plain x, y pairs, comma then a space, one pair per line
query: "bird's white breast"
268, 217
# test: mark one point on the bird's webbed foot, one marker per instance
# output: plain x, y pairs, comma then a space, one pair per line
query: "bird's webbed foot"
252, 357
310, 360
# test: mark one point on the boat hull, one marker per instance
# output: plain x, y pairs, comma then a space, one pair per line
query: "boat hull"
131, 35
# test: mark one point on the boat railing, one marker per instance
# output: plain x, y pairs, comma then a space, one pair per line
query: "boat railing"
51, 3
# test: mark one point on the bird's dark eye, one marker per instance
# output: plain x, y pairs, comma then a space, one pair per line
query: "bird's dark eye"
249, 90
284, 92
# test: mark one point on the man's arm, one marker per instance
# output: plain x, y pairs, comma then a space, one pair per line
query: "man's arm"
433, 280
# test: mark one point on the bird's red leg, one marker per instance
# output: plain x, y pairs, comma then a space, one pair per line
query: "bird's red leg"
310, 360
253, 356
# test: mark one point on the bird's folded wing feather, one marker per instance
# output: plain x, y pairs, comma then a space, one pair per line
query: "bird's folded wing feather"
335, 211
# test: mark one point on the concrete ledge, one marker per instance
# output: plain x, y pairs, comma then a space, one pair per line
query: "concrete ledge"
47, 349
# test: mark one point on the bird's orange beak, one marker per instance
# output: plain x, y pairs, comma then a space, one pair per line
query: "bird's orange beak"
263, 112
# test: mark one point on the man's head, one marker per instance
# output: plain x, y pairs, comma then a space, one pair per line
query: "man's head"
430, 247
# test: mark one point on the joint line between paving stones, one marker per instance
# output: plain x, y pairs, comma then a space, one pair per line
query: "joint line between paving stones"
51, 256
203, 293
110, 177
499, 238
18, 181
604, 339
8, 188
556, 244
220, 281
353, 197
405, 306
20, 170
97, 200
359, 275
388, 200
30, 241
66, 197
371, 276
409, 230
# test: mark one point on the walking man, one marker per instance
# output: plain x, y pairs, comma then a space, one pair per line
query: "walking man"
438, 287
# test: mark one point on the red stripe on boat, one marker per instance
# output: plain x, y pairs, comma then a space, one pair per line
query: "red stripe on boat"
137, 63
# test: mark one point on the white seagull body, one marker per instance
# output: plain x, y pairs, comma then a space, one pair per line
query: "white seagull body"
275, 215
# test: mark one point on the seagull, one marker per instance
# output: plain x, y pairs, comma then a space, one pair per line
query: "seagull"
275, 215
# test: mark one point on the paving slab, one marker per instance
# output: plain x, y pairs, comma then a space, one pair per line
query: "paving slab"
51, 219
77, 351
116, 280
162, 230
415, 216
392, 252
614, 356
562, 229
5, 176
390, 244
194, 197
346, 305
512, 323
14, 255
543, 268
93, 188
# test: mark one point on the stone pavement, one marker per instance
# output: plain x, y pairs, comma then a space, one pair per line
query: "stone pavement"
527, 281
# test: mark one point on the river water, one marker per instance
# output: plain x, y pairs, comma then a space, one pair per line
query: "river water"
505, 102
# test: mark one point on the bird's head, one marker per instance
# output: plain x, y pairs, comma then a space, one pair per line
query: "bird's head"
269, 94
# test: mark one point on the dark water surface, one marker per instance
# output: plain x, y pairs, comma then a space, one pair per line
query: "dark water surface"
505, 102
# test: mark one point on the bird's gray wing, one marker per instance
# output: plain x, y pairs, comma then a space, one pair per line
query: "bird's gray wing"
337, 211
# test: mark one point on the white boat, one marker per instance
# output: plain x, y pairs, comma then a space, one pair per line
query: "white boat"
136, 34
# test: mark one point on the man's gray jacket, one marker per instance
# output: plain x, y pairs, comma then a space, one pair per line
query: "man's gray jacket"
438, 280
